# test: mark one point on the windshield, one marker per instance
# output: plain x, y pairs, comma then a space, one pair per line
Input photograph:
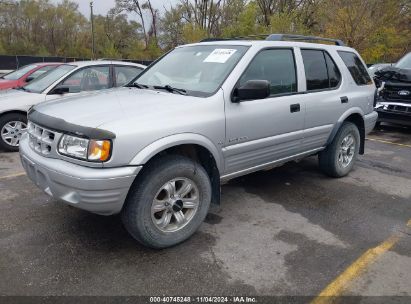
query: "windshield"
405, 62
19, 73
198, 70
47, 79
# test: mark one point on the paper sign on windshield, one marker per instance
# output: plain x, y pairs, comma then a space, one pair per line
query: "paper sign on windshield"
220, 55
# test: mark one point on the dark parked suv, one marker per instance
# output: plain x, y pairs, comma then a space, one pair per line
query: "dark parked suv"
394, 104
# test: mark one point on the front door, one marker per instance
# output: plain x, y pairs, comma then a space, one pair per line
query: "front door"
261, 131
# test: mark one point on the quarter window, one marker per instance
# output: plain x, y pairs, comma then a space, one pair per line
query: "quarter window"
356, 68
276, 66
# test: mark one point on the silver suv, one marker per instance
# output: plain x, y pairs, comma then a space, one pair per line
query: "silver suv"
157, 150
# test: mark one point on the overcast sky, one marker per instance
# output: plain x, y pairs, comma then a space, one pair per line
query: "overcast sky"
101, 7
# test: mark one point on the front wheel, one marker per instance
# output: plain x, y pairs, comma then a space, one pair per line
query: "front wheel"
168, 202
12, 127
339, 157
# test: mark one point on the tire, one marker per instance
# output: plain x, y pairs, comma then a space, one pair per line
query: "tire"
13, 125
143, 223
330, 160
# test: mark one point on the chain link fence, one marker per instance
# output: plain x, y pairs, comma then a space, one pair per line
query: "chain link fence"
8, 63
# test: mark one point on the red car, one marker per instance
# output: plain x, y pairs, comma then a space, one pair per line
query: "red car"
25, 74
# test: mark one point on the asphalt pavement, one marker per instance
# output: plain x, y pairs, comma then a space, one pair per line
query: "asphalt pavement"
288, 231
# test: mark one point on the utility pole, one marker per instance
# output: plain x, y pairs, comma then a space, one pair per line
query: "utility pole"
92, 30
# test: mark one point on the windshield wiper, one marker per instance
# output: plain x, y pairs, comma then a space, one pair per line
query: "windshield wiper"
169, 88
139, 86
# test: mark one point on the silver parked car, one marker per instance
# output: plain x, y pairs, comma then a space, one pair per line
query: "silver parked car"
65, 80
157, 150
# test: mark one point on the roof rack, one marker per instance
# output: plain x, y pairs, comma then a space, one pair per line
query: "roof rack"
215, 39
279, 37
248, 37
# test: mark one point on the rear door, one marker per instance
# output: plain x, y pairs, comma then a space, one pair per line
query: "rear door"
261, 131
324, 98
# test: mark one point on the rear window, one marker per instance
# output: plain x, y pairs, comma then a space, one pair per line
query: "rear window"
320, 70
356, 67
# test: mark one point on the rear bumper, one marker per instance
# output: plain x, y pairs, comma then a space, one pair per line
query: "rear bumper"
98, 190
369, 121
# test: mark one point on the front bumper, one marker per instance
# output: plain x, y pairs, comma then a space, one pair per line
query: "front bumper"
98, 190
394, 112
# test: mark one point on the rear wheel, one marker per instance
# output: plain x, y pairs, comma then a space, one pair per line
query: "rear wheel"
339, 157
168, 203
12, 127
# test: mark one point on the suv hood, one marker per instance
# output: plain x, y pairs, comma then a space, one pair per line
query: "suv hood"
393, 74
102, 107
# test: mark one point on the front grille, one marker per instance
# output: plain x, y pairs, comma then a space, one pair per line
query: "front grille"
398, 108
40, 139
390, 92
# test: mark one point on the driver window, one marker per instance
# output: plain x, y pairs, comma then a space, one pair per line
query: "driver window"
276, 66
88, 79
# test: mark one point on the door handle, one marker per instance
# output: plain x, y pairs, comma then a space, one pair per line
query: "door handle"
295, 108
344, 99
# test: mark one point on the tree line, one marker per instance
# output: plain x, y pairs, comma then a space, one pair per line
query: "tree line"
379, 29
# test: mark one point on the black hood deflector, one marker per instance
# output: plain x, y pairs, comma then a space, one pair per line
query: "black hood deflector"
62, 126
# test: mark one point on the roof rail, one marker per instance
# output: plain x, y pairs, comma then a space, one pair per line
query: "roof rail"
281, 37
247, 37
215, 39
278, 37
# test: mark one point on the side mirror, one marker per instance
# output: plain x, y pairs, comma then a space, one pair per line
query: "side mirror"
60, 90
29, 78
252, 89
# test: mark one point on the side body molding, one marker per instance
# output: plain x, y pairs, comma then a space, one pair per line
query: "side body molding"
164, 143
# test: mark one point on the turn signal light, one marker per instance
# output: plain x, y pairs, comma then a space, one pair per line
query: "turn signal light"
99, 150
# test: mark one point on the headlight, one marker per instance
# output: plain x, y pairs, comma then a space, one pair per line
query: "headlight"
85, 149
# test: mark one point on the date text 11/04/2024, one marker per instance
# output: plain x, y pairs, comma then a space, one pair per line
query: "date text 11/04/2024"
203, 299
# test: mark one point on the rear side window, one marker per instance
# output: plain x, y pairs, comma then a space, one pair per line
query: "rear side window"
315, 70
124, 74
276, 66
334, 74
89, 79
321, 73
356, 68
